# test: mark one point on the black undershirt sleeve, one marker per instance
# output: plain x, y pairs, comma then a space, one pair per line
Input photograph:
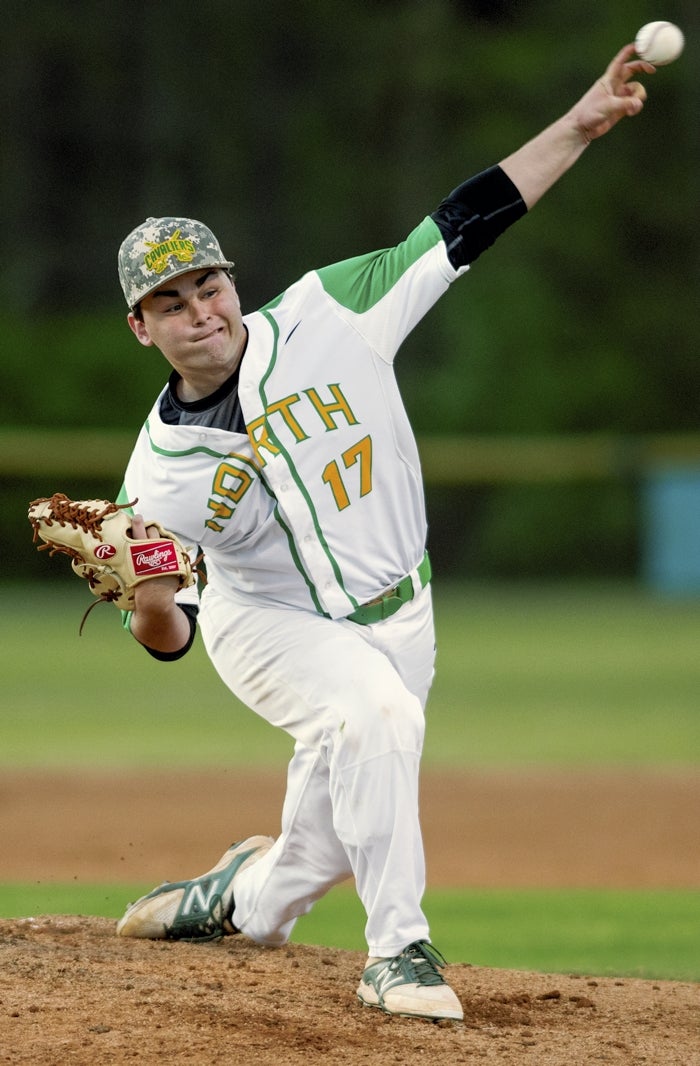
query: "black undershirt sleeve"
170, 656
476, 213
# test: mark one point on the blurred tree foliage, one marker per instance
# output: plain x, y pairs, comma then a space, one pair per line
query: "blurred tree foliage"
306, 134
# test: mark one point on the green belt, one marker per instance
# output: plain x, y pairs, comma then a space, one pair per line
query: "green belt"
388, 604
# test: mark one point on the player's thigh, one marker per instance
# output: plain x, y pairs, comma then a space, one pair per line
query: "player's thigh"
311, 676
407, 638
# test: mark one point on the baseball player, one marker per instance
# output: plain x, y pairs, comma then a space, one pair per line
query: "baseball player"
280, 448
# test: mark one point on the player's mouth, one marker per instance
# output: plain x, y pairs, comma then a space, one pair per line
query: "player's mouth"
208, 336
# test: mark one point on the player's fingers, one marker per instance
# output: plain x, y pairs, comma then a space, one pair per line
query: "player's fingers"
640, 66
624, 66
636, 90
631, 101
138, 527
140, 531
617, 64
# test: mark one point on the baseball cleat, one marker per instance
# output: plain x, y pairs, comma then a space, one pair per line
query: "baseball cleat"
199, 909
410, 985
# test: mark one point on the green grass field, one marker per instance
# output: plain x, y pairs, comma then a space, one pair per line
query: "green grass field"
549, 676
556, 676
637, 934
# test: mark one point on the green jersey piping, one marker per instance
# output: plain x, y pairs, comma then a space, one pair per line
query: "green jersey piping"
295, 475
190, 451
293, 549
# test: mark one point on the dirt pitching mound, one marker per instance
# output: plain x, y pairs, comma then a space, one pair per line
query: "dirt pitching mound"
72, 992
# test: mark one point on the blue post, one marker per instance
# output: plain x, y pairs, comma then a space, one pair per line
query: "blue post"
671, 530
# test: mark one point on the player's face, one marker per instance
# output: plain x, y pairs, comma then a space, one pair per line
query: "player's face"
195, 320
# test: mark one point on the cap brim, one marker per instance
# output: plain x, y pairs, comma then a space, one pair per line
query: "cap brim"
186, 268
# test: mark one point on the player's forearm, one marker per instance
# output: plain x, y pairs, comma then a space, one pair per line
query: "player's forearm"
540, 163
536, 166
158, 623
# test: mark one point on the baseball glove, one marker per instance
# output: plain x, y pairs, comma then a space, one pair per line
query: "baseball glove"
97, 536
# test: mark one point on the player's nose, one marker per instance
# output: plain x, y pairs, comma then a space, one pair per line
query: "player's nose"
199, 312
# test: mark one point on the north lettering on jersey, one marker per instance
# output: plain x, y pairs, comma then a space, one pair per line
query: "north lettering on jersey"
284, 407
230, 483
339, 405
299, 422
261, 441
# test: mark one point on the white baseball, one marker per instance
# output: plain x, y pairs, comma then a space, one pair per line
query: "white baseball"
659, 43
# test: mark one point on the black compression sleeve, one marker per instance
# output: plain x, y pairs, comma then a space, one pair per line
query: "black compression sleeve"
170, 656
476, 213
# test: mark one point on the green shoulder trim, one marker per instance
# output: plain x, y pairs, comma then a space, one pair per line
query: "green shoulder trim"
360, 283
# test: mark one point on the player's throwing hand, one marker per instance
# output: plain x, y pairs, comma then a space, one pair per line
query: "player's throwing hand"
614, 96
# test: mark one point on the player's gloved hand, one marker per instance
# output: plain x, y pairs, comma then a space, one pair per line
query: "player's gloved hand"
157, 621
99, 538
153, 595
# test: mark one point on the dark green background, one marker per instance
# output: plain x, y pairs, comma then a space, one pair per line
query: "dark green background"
310, 132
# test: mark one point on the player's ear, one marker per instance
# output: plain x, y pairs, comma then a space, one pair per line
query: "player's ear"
138, 328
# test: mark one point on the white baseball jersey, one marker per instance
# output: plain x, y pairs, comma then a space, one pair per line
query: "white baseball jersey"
320, 505
313, 500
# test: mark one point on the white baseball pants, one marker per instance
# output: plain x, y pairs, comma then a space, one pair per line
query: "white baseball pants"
353, 699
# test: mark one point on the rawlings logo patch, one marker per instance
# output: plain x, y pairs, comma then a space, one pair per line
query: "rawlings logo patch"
157, 259
159, 557
105, 551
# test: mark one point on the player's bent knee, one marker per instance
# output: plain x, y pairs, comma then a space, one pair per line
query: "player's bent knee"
378, 724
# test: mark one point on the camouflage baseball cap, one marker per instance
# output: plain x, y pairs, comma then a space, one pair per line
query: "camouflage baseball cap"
162, 248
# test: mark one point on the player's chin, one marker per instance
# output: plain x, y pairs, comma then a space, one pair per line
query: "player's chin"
215, 347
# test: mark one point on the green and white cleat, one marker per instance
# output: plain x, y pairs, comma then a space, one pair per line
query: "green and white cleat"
410, 985
200, 909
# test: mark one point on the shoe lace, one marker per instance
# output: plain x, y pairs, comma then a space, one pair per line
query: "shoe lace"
419, 963
209, 926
